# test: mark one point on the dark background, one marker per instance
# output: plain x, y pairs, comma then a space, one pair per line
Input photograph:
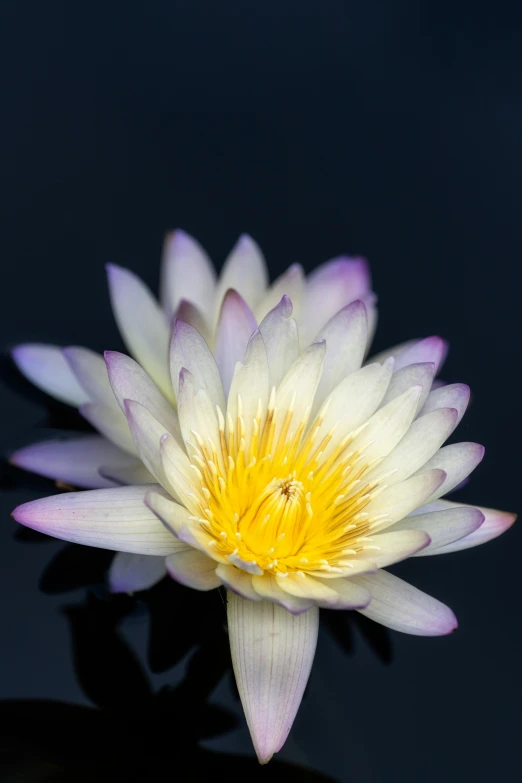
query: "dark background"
393, 130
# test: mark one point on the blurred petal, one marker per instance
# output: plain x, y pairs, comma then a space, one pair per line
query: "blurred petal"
400, 606
76, 461
272, 654
111, 423
455, 395
142, 323
245, 271
186, 273
290, 284
130, 573
108, 518
91, 373
47, 368
234, 329
431, 349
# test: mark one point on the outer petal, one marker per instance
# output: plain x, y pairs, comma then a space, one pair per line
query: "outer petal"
457, 460
431, 349
47, 368
331, 287
400, 606
272, 654
455, 395
443, 527
330, 594
130, 382
147, 433
76, 461
245, 271
193, 569
142, 323
188, 350
279, 332
399, 500
133, 472
235, 327
186, 273
346, 335
411, 375
267, 587
91, 373
107, 518
130, 573
495, 523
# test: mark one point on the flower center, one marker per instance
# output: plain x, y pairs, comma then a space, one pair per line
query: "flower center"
283, 498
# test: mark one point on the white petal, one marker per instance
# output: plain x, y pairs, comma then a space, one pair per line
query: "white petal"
245, 271
193, 569
345, 335
75, 462
455, 395
386, 427
268, 588
187, 273
142, 323
457, 460
331, 594
425, 436
353, 402
443, 527
238, 581
272, 655
279, 332
250, 385
400, 606
411, 375
130, 382
147, 433
47, 368
395, 547
298, 387
91, 373
130, 573
399, 500
235, 327
188, 350
110, 422
134, 472
107, 518
171, 514
290, 284
394, 351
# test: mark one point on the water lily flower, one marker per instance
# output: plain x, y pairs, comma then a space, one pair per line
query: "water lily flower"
291, 475
189, 289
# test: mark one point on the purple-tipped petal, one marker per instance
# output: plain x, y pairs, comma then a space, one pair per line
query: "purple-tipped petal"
192, 315
291, 284
455, 395
431, 349
130, 573
235, 327
130, 382
443, 527
107, 518
412, 375
75, 462
188, 350
331, 287
400, 606
143, 324
186, 273
495, 523
272, 655
111, 423
457, 460
47, 368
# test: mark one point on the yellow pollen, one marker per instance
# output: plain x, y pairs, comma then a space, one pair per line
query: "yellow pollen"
272, 493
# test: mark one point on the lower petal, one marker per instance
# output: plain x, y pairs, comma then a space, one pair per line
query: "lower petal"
130, 573
272, 655
192, 568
